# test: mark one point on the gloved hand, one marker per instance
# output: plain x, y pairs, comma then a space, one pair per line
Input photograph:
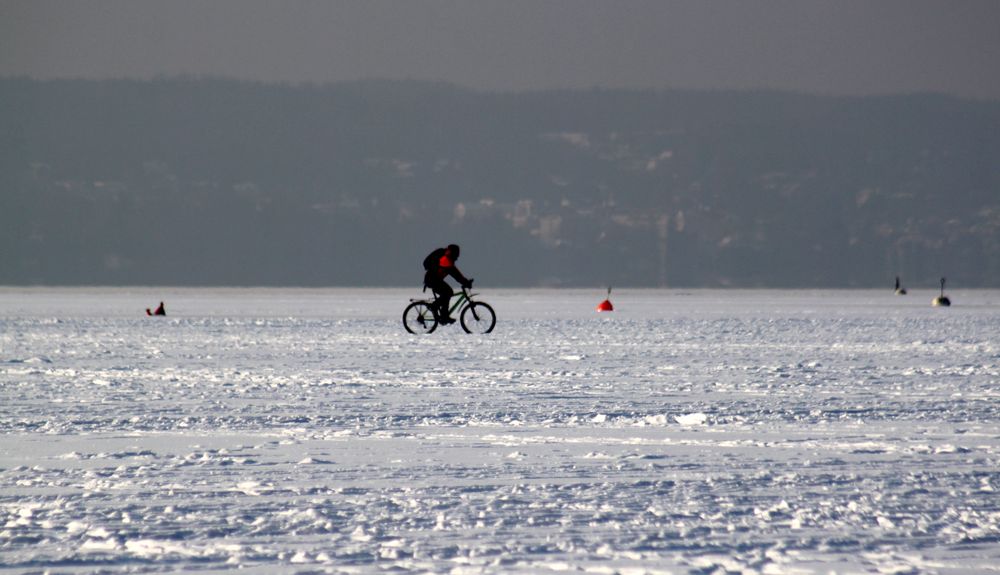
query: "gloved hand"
468, 284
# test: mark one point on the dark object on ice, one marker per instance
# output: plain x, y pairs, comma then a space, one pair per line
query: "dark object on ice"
942, 300
900, 290
438, 265
159, 311
478, 317
606, 304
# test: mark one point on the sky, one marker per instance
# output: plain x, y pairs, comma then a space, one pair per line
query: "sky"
841, 47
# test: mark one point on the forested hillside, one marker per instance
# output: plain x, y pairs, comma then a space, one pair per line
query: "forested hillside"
215, 182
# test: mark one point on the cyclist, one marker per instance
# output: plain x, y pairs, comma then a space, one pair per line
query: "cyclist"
440, 264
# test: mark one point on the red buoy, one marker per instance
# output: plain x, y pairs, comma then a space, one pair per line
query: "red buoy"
606, 304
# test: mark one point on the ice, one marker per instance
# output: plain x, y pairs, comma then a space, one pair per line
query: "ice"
691, 419
304, 431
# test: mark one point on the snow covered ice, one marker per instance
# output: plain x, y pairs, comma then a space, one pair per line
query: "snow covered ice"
304, 431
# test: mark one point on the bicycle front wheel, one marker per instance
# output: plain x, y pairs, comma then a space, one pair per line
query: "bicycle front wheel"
478, 317
418, 318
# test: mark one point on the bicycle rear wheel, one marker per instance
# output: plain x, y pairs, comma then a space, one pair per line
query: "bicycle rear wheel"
419, 318
478, 317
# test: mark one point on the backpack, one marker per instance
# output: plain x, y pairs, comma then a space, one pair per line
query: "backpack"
432, 260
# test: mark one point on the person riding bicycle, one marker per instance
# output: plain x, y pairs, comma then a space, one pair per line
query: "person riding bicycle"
440, 264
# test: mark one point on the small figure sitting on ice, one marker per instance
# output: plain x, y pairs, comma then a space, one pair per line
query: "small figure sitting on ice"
159, 311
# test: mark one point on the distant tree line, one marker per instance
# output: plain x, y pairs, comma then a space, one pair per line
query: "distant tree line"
217, 182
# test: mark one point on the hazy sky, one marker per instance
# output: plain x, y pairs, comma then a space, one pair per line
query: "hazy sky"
820, 46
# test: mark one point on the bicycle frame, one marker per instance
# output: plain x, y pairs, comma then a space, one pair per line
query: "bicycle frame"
460, 299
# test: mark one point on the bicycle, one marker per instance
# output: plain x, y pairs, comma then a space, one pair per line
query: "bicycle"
476, 316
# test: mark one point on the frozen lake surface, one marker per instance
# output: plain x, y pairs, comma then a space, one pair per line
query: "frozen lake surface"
304, 431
